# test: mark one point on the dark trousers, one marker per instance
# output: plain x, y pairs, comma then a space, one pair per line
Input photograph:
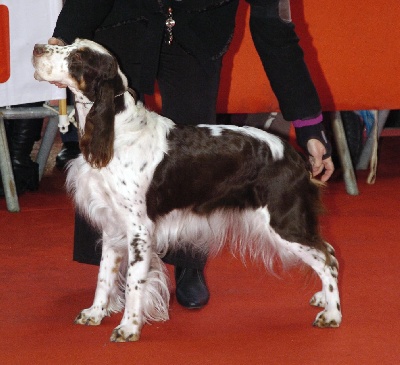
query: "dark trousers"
189, 94
278, 47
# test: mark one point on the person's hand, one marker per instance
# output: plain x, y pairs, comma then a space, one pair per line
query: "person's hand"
57, 42
316, 150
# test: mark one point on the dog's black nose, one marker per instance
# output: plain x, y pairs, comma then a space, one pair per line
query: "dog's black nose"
38, 50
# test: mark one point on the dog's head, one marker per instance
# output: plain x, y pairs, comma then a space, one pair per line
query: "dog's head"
84, 66
93, 75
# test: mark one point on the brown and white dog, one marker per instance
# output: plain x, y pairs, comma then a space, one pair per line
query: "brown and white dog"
151, 186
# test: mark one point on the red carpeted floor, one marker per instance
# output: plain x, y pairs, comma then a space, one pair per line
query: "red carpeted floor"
252, 317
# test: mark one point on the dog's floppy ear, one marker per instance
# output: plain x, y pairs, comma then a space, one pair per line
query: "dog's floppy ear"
98, 140
108, 67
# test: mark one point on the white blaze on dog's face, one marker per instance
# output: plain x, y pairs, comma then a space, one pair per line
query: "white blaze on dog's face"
51, 62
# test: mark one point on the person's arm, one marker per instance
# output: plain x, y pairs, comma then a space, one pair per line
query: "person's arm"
277, 46
80, 19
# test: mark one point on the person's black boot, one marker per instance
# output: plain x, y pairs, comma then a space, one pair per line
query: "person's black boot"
21, 135
69, 151
191, 287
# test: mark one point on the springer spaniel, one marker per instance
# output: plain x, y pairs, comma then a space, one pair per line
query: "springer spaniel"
151, 186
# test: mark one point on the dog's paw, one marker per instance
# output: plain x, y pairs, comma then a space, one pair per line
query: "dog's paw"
328, 319
90, 317
125, 333
318, 300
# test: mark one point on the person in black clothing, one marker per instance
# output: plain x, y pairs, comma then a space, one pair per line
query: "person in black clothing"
70, 147
180, 44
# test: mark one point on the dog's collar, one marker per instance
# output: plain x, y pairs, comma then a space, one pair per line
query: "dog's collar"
81, 102
116, 96
129, 90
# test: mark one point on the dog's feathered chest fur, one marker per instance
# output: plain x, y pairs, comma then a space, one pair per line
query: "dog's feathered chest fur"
119, 189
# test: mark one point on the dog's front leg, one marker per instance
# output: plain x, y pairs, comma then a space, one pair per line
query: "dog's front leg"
107, 282
138, 267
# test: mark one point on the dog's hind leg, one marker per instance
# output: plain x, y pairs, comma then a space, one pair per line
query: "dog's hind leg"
318, 299
107, 284
331, 316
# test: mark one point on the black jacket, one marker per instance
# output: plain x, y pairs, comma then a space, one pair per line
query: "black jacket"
133, 30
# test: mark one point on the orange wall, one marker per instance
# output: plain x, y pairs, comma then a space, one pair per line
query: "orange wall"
352, 48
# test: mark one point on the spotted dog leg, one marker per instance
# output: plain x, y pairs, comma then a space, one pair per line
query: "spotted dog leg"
138, 268
318, 299
106, 286
328, 298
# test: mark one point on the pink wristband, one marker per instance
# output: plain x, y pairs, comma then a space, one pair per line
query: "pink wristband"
298, 123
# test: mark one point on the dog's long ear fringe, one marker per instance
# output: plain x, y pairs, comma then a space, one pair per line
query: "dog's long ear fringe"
97, 142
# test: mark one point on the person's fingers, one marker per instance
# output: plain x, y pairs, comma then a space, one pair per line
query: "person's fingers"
329, 168
58, 84
316, 165
55, 42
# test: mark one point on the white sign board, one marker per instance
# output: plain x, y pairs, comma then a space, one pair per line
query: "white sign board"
29, 22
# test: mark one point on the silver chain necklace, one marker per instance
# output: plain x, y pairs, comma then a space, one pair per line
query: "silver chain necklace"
170, 23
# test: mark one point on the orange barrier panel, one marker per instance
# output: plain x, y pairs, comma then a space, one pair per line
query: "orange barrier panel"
4, 44
352, 49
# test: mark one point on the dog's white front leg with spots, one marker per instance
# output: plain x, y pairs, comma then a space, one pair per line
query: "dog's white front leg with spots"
138, 268
106, 281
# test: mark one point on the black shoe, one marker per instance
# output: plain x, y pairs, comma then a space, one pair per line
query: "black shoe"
69, 151
26, 177
191, 288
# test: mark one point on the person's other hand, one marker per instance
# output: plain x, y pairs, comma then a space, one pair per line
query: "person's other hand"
319, 166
